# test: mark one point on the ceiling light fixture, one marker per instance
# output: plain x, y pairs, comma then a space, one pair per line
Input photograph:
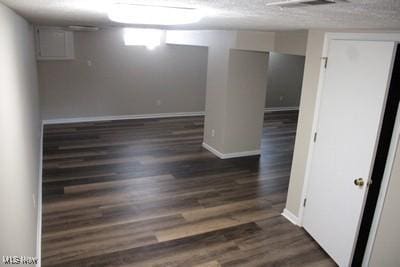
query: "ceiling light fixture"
149, 38
154, 15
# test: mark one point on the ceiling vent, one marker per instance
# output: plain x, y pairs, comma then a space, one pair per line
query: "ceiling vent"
301, 3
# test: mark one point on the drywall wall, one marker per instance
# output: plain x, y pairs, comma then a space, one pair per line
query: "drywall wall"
19, 137
255, 41
291, 42
245, 106
236, 87
285, 77
286, 42
385, 251
217, 82
109, 79
209, 38
306, 115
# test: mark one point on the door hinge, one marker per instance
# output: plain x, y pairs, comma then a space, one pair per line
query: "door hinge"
315, 137
304, 202
326, 62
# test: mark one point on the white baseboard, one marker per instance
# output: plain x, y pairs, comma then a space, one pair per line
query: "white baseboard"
274, 109
124, 117
231, 155
291, 217
39, 204
213, 150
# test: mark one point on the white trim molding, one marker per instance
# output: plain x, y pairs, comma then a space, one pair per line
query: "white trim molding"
328, 36
231, 155
124, 117
291, 217
383, 191
276, 109
39, 202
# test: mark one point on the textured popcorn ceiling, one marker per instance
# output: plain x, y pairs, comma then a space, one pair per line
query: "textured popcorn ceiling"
228, 14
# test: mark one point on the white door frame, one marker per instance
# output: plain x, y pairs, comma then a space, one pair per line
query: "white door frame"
384, 188
394, 37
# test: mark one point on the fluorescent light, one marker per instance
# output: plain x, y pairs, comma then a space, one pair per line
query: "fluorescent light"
83, 28
149, 38
287, 2
154, 15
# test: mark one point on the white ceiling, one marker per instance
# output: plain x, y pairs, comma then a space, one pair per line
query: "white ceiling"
229, 14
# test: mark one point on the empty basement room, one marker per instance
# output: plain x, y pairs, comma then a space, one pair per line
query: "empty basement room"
200, 133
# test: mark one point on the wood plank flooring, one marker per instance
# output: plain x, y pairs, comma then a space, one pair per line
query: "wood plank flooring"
145, 193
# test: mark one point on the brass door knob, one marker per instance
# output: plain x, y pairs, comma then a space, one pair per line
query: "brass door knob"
359, 182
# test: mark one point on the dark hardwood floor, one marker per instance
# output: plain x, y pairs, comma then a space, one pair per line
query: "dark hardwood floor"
145, 193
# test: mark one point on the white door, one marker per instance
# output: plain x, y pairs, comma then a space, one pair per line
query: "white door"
349, 119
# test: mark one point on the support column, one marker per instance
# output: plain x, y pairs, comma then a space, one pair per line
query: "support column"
236, 86
235, 99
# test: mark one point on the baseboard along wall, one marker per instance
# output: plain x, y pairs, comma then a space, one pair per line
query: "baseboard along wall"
291, 217
275, 109
123, 117
231, 155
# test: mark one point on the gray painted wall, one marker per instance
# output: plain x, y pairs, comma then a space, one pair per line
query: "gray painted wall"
285, 78
217, 83
236, 89
19, 137
306, 115
244, 101
291, 42
122, 80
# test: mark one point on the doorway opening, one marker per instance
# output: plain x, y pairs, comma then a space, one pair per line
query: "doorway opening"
347, 130
284, 84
